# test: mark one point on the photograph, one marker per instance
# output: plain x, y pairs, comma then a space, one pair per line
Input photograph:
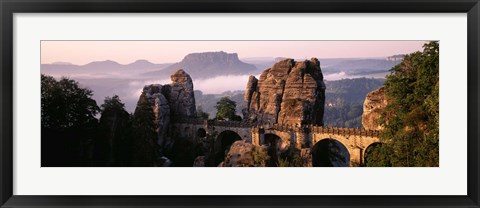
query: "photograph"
269, 103
238, 103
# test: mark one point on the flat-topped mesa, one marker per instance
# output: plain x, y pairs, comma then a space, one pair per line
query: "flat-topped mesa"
288, 93
212, 57
203, 65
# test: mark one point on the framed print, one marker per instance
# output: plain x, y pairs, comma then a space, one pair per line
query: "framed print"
248, 104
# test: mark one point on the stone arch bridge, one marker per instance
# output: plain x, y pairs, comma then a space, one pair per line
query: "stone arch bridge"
355, 140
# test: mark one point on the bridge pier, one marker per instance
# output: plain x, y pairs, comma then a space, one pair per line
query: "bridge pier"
256, 136
300, 138
261, 133
356, 156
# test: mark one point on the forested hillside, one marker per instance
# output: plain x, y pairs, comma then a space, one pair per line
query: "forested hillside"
411, 118
344, 101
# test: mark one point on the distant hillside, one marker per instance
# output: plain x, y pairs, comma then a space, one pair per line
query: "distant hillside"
344, 101
100, 67
360, 66
351, 90
208, 64
352, 67
212, 64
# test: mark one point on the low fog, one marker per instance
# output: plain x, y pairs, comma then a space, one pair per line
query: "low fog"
108, 78
129, 90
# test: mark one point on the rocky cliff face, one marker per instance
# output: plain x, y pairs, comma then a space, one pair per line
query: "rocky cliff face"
161, 110
174, 101
182, 98
374, 105
288, 93
242, 154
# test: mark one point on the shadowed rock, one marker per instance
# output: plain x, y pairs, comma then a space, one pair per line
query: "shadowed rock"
161, 110
170, 102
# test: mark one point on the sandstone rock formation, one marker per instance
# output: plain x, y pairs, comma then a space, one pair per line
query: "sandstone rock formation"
182, 99
174, 101
288, 93
251, 89
161, 110
199, 161
241, 154
374, 104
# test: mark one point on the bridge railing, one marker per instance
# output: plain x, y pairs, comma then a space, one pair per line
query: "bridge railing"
345, 131
296, 128
324, 130
197, 121
235, 124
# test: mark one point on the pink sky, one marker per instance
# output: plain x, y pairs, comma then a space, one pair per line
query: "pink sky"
124, 52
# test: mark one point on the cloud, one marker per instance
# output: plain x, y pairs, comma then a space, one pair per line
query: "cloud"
219, 84
130, 89
135, 87
215, 85
335, 76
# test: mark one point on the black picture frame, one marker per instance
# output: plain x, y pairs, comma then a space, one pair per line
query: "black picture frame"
9, 7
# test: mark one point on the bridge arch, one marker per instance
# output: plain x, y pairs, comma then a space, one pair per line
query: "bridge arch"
201, 133
222, 144
370, 152
329, 152
271, 139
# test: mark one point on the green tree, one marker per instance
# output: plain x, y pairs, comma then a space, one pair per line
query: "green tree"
144, 134
411, 117
226, 110
65, 104
112, 103
68, 122
114, 145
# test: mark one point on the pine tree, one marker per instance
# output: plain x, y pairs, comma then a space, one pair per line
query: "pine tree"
144, 135
114, 145
226, 110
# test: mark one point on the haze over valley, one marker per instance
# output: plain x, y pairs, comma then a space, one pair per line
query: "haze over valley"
212, 73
